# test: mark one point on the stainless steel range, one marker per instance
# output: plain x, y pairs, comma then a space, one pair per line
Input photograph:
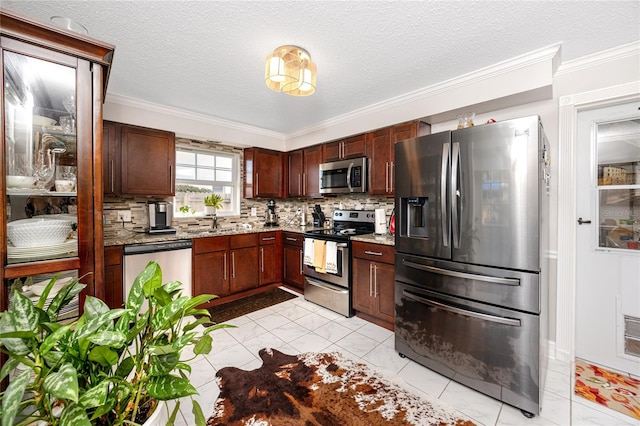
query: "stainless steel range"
328, 282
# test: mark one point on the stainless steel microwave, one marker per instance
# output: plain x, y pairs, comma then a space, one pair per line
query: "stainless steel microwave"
344, 176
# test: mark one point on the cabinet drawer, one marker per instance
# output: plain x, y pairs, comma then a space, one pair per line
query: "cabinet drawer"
375, 252
113, 256
292, 239
242, 241
207, 245
267, 238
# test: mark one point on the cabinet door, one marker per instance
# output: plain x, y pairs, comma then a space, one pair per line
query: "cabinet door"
384, 286
332, 151
294, 187
379, 151
354, 147
148, 159
244, 269
113, 277
363, 285
264, 173
399, 133
312, 160
211, 273
110, 159
293, 266
269, 269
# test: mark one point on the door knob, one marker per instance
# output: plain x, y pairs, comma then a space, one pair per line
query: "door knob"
582, 222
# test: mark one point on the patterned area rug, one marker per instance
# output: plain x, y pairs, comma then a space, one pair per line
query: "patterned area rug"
616, 391
237, 308
320, 389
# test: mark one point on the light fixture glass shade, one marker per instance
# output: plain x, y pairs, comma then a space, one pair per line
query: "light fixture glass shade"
289, 70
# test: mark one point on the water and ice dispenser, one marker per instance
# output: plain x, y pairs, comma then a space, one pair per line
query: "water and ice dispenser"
415, 223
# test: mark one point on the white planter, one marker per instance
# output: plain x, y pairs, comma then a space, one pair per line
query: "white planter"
159, 417
209, 210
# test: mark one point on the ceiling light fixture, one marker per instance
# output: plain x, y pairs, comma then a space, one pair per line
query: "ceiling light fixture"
289, 70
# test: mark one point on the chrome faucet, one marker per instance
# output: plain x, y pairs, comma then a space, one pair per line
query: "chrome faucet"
214, 222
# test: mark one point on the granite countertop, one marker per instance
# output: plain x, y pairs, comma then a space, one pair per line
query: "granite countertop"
132, 237
386, 239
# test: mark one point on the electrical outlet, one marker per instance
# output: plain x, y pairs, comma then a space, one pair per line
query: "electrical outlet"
124, 215
254, 211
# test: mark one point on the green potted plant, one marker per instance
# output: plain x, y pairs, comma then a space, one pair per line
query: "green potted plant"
108, 367
212, 202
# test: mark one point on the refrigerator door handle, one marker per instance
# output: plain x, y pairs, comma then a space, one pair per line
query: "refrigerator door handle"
459, 311
455, 194
465, 275
443, 195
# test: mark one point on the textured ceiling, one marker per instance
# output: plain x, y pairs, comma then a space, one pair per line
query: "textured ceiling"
208, 56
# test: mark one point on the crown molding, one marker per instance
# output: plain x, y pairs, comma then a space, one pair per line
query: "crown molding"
126, 101
602, 57
545, 54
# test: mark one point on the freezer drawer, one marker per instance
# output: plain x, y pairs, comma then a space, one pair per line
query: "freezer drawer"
490, 349
507, 288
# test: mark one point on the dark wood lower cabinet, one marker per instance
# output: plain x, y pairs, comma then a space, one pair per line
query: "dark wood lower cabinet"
292, 259
210, 267
374, 283
113, 277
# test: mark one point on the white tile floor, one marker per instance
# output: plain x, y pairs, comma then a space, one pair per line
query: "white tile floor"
299, 326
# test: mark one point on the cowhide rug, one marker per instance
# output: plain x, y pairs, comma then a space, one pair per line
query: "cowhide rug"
320, 389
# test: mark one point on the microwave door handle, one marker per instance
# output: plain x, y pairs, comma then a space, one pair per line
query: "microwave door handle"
455, 194
443, 195
349, 176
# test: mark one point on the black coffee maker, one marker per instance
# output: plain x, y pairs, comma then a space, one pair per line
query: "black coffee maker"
270, 216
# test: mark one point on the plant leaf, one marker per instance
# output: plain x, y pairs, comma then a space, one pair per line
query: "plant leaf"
199, 300
124, 368
93, 324
218, 326
104, 356
183, 366
160, 320
170, 387
183, 340
163, 364
174, 414
17, 346
172, 286
114, 339
63, 384
192, 325
136, 293
8, 367
13, 395
96, 396
63, 298
203, 346
25, 316
162, 296
154, 280
94, 307
123, 322
198, 415
50, 341
45, 294
74, 415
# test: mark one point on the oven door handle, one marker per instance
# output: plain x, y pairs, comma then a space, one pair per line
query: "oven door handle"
326, 286
485, 317
465, 275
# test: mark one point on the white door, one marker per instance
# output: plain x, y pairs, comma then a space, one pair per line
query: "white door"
608, 235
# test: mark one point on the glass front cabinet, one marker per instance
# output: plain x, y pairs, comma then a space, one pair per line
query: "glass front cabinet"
53, 86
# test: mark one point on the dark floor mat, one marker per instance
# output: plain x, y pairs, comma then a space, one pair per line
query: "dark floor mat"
237, 308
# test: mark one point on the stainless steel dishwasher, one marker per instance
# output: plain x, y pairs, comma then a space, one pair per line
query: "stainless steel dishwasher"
174, 258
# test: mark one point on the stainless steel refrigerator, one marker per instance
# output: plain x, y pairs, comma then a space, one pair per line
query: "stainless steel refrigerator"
471, 256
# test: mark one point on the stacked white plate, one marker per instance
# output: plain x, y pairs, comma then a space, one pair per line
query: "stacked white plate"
23, 253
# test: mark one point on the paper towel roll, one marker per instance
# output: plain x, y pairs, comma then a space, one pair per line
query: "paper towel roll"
380, 222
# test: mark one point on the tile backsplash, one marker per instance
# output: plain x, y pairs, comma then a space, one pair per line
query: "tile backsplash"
285, 208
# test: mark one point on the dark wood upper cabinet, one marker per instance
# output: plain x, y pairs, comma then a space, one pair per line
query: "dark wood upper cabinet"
264, 173
380, 151
138, 160
148, 161
295, 174
311, 180
351, 147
